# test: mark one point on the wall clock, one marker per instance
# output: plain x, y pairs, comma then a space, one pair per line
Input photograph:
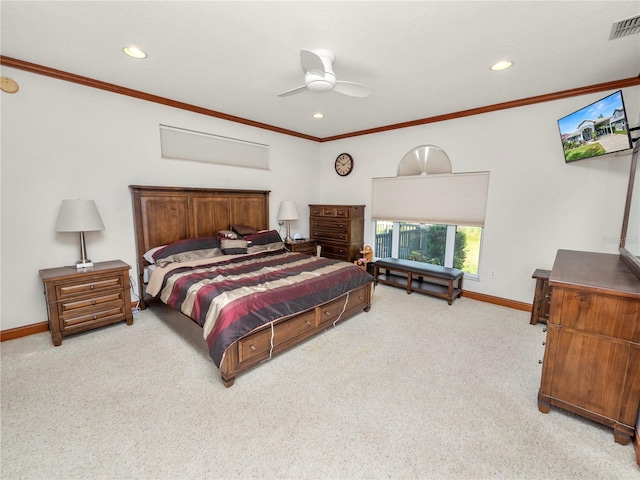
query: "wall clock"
344, 164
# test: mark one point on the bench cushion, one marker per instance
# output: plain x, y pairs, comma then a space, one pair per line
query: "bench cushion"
420, 268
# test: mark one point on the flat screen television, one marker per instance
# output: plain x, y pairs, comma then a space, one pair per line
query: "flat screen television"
600, 128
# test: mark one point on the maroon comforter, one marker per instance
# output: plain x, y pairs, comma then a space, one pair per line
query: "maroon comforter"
232, 296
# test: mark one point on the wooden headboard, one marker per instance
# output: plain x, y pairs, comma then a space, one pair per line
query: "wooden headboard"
164, 215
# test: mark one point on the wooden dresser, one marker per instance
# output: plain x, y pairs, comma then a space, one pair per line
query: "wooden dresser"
87, 298
338, 229
591, 363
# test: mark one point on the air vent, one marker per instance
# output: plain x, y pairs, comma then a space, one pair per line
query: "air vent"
622, 28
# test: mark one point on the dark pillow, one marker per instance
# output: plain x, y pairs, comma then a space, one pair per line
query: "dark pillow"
267, 240
243, 230
188, 249
233, 247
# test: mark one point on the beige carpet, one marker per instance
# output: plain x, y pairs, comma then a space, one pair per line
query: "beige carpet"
413, 389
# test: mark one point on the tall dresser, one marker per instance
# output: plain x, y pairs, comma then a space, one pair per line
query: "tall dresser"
338, 229
591, 360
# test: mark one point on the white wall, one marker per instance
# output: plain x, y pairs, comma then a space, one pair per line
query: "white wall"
61, 140
537, 204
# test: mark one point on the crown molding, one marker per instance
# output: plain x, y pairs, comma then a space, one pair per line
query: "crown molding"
109, 87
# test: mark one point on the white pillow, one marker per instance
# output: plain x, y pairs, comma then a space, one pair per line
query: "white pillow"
148, 256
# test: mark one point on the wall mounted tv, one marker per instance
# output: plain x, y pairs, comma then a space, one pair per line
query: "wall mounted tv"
597, 129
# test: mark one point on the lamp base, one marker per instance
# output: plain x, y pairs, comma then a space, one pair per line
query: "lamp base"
86, 264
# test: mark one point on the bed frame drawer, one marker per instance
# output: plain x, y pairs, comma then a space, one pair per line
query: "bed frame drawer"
253, 345
259, 343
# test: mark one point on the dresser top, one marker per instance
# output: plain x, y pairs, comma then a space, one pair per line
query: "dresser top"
599, 272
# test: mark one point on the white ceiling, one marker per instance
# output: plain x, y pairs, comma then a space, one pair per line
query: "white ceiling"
420, 58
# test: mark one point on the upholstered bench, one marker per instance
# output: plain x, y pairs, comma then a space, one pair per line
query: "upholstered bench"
442, 282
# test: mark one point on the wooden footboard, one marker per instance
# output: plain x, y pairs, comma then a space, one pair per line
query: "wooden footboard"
256, 347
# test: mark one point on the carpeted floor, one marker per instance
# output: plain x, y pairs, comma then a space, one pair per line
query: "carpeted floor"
413, 389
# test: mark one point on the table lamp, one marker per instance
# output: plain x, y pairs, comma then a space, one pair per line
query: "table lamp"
79, 216
288, 212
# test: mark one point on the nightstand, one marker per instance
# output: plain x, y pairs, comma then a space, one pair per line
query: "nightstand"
87, 298
307, 246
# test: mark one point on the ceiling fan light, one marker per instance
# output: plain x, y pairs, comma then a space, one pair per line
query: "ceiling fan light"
502, 65
320, 86
134, 52
318, 115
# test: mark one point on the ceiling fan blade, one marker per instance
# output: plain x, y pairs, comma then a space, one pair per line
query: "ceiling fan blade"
293, 91
311, 62
352, 89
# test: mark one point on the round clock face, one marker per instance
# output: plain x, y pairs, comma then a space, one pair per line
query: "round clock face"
344, 164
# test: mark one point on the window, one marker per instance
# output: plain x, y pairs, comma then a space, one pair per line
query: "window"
446, 245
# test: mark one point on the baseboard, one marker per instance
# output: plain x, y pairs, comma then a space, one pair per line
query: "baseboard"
20, 332
526, 307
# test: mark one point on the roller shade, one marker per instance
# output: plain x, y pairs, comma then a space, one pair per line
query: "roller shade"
448, 199
181, 144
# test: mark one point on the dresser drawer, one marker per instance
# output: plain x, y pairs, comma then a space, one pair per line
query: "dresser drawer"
335, 251
596, 313
330, 211
89, 286
329, 225
340, 237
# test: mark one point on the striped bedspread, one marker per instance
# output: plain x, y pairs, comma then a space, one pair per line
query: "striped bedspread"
232, 295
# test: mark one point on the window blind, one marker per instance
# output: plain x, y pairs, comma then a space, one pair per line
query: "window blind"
448, 199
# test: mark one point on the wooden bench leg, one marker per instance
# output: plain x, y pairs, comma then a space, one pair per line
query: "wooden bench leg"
409, 280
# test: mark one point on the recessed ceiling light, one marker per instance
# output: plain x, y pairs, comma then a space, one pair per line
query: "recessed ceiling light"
502, 65
318, 115
134, 52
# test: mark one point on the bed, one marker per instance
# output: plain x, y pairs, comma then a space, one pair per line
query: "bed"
209, 253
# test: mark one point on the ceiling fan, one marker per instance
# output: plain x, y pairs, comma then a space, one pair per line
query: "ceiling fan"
317, 66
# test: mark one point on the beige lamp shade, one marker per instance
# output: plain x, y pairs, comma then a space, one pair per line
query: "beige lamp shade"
79, 216
288, 212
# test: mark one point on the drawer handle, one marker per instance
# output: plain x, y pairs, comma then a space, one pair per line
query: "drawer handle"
327, 313
308, 322
253, 348
95, 317
93, 302
92, 287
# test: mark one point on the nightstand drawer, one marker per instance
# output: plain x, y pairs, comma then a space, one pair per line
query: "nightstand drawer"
96, 302
82, 319
90, 286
